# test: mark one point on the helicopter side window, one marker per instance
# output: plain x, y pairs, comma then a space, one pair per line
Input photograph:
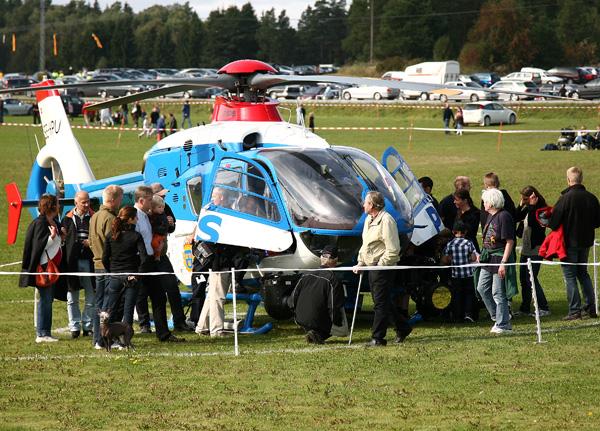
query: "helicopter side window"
408, 185
245, 190
194, 187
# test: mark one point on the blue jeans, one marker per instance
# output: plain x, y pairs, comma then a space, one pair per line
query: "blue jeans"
120, 290
573, 273
101, 300
525, 279
447, 125
76, 320
184, 119
492, 292
44, 311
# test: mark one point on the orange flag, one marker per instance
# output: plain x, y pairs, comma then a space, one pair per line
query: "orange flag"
14, 42
97, 40
55, 45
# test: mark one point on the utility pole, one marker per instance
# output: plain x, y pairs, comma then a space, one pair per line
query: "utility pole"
371, 41
42, 35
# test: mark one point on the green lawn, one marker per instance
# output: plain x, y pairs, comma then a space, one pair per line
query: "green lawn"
444, 376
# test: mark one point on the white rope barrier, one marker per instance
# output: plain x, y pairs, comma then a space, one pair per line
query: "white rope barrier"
236, 347
287, 270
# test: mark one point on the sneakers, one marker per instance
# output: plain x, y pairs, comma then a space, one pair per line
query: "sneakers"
200, 331
75, 334
97, 346
496, 330
574, 316
46, 339
543, 313
117, 345
376, 343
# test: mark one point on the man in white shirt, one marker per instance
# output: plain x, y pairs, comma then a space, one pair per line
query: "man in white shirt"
143, 201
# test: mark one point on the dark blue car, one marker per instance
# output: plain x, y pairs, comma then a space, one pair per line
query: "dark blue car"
485, 79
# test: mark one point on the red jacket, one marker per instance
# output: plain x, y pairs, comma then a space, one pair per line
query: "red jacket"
554, 245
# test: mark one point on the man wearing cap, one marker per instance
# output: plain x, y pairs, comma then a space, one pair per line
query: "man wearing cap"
318, 299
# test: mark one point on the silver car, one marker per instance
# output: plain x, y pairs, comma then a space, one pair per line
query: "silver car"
469, 90
17, 107
488, 113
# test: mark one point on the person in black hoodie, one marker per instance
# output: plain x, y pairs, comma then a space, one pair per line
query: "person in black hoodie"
532, 234
124, 252
491, 181
318, 299
578, 211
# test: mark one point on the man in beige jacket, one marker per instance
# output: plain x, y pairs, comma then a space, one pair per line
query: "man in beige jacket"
381, 247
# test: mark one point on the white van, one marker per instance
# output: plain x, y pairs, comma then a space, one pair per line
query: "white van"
545, 78
431, 72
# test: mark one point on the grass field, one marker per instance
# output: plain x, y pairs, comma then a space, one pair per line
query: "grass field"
444, 377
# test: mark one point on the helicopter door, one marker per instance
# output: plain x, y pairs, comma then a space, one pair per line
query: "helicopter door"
427, 221
243, 208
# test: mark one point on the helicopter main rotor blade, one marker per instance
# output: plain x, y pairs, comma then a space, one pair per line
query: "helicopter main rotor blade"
148, 94
225, 81
264, 82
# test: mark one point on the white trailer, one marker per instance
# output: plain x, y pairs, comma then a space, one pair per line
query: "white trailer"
431, 72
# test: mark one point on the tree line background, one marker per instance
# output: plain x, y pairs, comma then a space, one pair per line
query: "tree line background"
500, 35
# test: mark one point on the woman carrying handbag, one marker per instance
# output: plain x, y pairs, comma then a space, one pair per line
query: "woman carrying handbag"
42, 252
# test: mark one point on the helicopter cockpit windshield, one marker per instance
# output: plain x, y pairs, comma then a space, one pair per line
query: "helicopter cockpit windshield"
320, 190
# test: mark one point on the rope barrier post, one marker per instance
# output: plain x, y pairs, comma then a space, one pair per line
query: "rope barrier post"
410, 135
538, 323
236, 348
595, 275
499, 143
355, 307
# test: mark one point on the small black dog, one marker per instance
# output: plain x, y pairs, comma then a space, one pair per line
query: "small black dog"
120, 330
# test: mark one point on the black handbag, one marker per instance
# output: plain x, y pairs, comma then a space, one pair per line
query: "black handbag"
204, 252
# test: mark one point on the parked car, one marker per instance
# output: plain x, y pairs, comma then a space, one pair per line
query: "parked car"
572, 75
485, 79
588, 73
16, 107
468, 91
376, 92
589, 90
554, 89
524, 76
285, 92
488, 113
523, 87
16, 82
544, 75
322, 92
73, 105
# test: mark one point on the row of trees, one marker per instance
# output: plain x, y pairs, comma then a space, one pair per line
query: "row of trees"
486, 34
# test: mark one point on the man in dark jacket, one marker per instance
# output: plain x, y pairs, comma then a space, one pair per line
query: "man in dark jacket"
318, 299
446, 207
578, 211
79, 258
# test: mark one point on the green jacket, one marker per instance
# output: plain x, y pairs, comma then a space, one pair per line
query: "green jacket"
100, 225
510, 279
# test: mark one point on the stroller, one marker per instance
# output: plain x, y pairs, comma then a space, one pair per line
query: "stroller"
566, 139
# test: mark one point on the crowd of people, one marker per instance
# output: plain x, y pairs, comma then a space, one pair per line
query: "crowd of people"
153, 124
132, 240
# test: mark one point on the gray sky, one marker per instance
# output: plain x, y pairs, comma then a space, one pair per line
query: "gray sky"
293, 8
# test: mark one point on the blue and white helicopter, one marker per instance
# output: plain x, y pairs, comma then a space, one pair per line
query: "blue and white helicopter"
288, 193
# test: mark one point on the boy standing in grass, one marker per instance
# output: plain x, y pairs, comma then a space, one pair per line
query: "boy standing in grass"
461, 251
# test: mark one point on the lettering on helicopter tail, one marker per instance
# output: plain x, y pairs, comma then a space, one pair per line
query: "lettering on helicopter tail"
50, 127
208, 233
435, 218
188, 258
